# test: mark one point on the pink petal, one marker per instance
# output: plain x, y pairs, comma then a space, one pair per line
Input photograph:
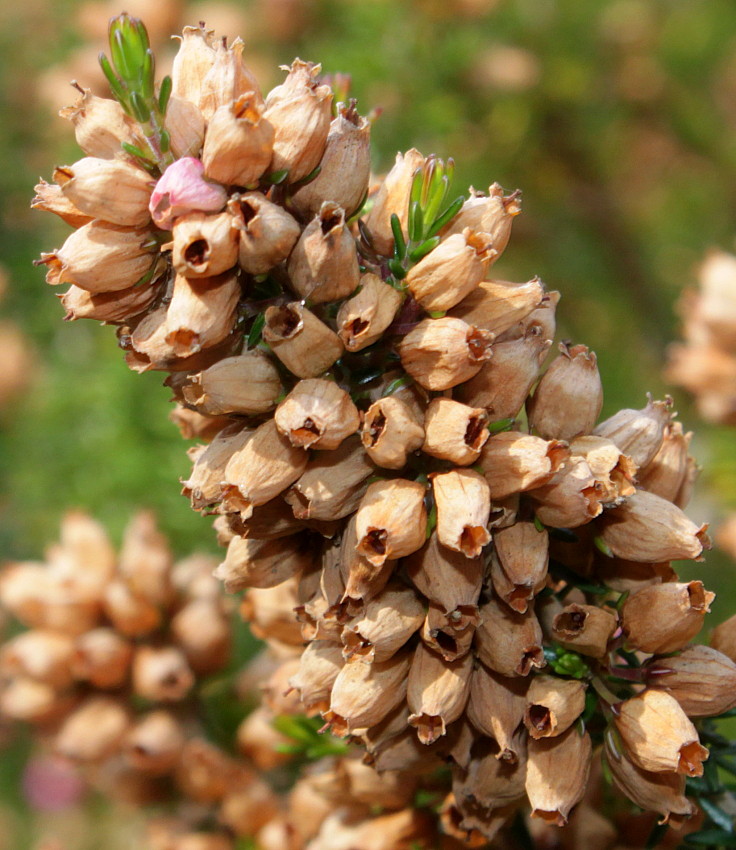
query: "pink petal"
181, 189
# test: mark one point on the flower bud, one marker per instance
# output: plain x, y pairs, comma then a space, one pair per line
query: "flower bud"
249, 383
227, 79
384, 626
204, 485
161, 674
449, 579
154, 744
185, 125
557, 773
514, 462
496, 305
441, 353
664, 617
304, 344
317, 414
101, 257
50, 198
112, 189
319, 666
93, 731
638, 433
463, 501
650, 529
193, 60
363, 318
393, 198
324, 264
519, 563
571, 498
265, 466
451, 271
363, 694
493, 213
100, 125
102, 657
300, 111
586, 629
654, 792
333, 483
263, 563
181, 190
391, 520
658, 735
437, 693
700, 678
454, 431
665, 474
508, 642
496, 708
553, 705
239, 142
204, 245
267, 232
391, 432
344, 167
569, 397
503, 383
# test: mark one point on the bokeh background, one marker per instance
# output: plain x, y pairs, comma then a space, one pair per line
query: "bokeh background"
616, 118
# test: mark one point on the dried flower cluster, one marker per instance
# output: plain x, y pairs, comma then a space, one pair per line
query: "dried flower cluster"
705, 363
479, 572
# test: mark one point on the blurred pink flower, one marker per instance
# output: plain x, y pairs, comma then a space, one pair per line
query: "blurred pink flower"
51, 784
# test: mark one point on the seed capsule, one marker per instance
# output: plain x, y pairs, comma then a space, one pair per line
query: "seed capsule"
519, 563
557, 774
239, 142
344, 168
664, 617
317, 414
454, 431
513, 462
584, 628
508, 642
249, 383
463, 503
227, 79
497, 305
107, 188
391, 520
363, 318
267, 233
437, 693
451, 271
658, 736
391, 432
441, 353
569, 397
304, 344
613, 471
393, 198
300, 111
493, 213
650, 529
553, 705
100, 125
638, 433
700, 678
204, 245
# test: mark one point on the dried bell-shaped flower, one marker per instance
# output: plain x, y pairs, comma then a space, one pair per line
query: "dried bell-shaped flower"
569, 397
497, 305
664, 617
102, 657
161, 674
239, 142
324, 263
50, 198
267, 232
700, 678
185, 125
519, 563
153, 745
391, 432
248, 383
508, 642
666, 473
493, 213
658, 736
393, 198
454, 431
204, 245
195, 57
496, 708
463, 501
586, 629
262, 563
363, 318
557, 773
319, 666
513, 462
100, 125
638, 433
304, 344
317, 414
92, 731
391, 520
553, 705
573, 497
227, 79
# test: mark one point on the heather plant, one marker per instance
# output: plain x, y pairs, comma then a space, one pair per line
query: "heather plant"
468, 574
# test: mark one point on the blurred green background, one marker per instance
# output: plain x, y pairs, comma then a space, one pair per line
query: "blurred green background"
616, 119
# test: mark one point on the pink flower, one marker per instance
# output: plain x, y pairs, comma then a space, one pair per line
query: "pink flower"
183, 189
51, 784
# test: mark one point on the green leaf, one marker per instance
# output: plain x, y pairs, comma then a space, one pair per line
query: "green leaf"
431, 521
538, 524
254, 334
277, 177
397, 384
148, 77
139, 107
117, 51
165, 141
500, 425
396, 269
446, 216
602, 546
416, 187
416, 222
399, 243
116, 86
416, 254
164, 94
437, 194
136, 152
710, 838
437, 314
